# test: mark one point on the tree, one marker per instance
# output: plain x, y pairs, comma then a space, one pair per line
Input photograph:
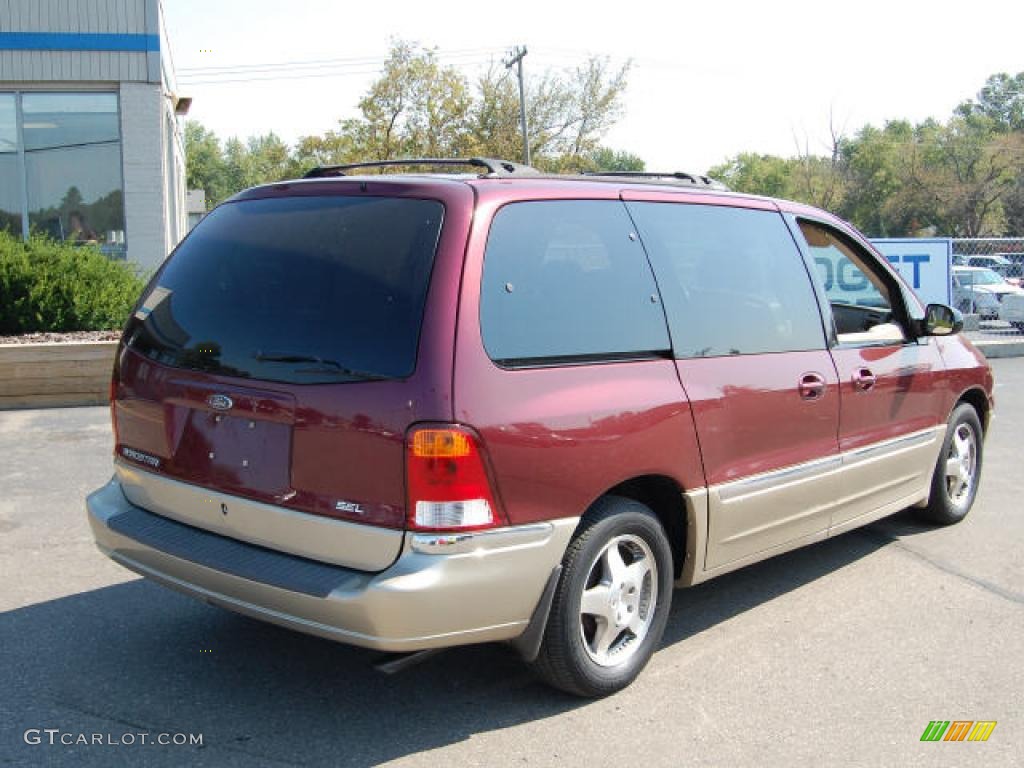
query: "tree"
1013, 208
971, 168
333, 148
204, 167
567, 113
606, 159
415, 108
883, 184
1001, 99
420, 108
757, 174
963, 177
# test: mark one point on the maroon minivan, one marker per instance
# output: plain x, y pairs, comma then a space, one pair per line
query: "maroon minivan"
422, 410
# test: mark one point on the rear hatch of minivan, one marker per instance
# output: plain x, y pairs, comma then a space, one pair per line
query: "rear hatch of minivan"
279, 355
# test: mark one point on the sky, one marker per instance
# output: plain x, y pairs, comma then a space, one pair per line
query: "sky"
708, 80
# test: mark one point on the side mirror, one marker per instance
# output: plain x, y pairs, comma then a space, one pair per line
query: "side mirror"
940, 320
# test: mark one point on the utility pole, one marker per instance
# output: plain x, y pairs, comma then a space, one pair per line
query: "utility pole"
515, 57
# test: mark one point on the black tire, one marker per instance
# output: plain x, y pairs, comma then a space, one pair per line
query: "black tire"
567, 658
944, 506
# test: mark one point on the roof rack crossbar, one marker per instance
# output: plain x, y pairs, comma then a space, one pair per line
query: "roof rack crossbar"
693, 178
492, 166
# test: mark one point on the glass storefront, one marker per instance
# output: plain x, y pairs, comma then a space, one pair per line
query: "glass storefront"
62, 170
10, 185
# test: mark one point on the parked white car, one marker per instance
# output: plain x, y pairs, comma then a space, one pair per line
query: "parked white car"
980, 291
998, 264
1011, 309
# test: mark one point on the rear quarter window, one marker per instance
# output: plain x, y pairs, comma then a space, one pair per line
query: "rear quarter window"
567, 280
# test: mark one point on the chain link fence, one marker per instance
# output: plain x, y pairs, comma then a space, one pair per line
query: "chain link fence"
988, 274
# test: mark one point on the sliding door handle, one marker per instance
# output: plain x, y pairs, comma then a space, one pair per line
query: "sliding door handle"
864, 379
812, 386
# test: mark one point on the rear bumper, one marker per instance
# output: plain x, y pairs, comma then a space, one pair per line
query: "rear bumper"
440, 591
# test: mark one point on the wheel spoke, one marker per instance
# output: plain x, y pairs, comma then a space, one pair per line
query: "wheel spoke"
636, 572
615, 567
636, 625
954, 467
595, 602
962, 445
605, 636
956, 484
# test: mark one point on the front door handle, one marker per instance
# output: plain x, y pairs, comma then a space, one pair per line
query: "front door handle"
864, 379
812, 386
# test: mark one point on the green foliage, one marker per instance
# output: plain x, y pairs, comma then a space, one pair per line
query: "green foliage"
420, 108
605, 159
51, 286
205, 168
758, 174
1001, 100
962, 178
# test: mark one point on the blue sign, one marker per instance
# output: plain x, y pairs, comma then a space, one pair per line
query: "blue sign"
924, 262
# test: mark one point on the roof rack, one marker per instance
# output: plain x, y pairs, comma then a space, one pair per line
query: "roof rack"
494, 168
693, 178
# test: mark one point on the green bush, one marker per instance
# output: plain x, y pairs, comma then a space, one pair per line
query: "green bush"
51, 286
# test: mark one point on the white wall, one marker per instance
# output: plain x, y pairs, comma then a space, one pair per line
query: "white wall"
142, 142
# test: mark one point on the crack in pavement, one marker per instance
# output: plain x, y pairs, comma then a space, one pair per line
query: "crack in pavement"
988, 586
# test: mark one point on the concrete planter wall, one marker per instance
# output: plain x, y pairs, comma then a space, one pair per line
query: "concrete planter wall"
42, 375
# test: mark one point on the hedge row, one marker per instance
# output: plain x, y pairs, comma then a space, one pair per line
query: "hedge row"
51, 286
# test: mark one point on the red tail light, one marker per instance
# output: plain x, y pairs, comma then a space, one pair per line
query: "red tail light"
113, 410
447, 481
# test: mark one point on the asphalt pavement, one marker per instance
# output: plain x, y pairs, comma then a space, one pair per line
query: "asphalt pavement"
837, 654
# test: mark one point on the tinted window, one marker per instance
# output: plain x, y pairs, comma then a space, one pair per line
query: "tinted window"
861, 299
10, 170
301, 289
10, 167
69, 119
842, 271
563, 279
8, 128
732, 280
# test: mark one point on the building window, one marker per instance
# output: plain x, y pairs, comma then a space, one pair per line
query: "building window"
66, 173
10, 177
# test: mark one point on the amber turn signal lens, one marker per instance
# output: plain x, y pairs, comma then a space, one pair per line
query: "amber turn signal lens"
440, 444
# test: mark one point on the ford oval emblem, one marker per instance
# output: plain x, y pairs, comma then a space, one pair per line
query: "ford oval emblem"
220, 402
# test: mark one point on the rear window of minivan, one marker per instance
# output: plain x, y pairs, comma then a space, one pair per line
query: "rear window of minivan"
300, 290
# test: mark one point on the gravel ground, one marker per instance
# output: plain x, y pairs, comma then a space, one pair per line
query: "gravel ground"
47, 337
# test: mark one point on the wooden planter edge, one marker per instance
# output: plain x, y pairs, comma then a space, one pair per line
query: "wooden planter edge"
44, 375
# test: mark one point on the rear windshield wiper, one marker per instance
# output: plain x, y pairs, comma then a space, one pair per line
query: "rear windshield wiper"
328, 366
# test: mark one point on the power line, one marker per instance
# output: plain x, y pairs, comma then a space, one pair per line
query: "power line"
305, 63
344, 66
355, 65
293, 75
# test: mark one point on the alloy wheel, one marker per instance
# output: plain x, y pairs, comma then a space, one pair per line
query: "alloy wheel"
961, 465
618, 602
